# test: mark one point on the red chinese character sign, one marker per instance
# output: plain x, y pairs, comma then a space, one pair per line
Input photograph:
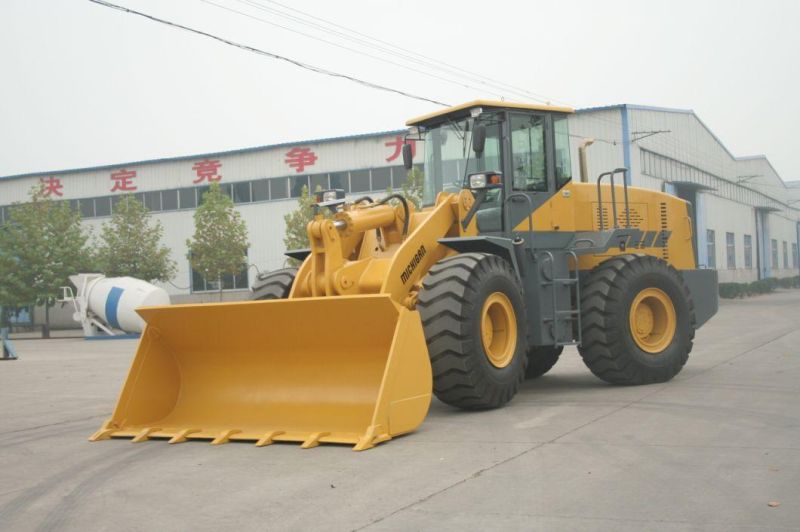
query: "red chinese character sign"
299, 158
397, 145
207, 170
51, 186
123, 181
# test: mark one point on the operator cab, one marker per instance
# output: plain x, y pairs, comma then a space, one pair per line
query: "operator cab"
523, 146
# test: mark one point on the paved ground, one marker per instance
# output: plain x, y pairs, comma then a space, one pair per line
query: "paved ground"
707, 451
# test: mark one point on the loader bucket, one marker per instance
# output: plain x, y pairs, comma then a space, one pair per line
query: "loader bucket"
351, 369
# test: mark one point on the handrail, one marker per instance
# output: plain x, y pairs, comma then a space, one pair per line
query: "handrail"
610, 175
530, 214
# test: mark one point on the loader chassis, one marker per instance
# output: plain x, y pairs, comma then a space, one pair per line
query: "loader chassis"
508, 261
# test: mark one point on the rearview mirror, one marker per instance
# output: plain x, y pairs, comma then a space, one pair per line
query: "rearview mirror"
478, 139
408, 156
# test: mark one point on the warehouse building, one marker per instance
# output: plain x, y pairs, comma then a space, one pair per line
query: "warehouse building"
747, 220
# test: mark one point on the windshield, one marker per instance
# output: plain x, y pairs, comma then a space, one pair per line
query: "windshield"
449, 156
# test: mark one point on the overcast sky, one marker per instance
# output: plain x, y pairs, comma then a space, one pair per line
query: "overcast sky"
84, 85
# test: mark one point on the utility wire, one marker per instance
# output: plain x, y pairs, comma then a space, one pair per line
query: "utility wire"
395, 50
258, 51
338, 45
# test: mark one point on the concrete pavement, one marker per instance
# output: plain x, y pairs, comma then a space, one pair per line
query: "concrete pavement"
706, 451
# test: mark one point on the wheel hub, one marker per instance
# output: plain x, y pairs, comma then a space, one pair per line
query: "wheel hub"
652, 320
498, 329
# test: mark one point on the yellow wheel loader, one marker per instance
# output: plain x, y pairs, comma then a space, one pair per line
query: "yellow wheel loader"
508, 260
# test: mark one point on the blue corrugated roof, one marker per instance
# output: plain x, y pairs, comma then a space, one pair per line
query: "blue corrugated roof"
636, 107
205, 155
370, 135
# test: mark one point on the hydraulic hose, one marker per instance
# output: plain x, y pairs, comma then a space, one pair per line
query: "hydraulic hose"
406, 210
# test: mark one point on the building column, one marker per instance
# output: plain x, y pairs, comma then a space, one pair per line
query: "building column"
700, 224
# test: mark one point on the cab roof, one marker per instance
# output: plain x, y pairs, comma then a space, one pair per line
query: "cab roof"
493, 104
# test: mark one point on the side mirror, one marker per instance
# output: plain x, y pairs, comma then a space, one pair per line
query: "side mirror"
478, 139
408, 157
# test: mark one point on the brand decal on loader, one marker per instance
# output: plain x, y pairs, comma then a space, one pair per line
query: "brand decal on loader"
412, 264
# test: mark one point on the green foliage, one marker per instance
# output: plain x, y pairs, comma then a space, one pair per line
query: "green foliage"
412, 188
219, 244
41, 245
762, 286
131, 245
296, 236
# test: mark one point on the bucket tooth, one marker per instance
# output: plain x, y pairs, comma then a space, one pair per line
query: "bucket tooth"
102, 434
374, 435
144, 434
313, 440
224, 436
182, 435
267, 438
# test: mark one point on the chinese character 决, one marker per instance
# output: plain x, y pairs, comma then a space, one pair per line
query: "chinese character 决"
299, 158
206, 170
397, 144
123, 180
50, 186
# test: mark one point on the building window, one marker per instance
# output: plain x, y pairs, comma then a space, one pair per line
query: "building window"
187, 197
152, 200
785, 256
319, 181
794, 255
748, 252
730, 250
381, 178
774, 254
261, 190
711, 248
340, 180
359, 181
169, 199
87, 207
278, 188
229, 282
102, 206
241, 192
298, 182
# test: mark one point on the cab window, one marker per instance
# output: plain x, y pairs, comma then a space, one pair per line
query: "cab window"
528, 153
563, 161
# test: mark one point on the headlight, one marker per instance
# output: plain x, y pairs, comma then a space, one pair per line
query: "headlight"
477, 181
485, 180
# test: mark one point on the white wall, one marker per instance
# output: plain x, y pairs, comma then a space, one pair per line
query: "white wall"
725, 216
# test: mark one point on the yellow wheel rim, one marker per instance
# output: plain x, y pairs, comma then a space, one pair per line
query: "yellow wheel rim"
652, 320
499, 329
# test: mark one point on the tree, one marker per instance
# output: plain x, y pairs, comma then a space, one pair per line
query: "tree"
219, 244
296, 236
131, 245
44, 243
412, 188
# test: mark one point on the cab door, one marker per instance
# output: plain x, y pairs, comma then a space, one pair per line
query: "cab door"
530, 168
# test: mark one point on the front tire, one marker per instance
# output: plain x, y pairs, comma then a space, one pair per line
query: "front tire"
475, 326
637, 320
273, 285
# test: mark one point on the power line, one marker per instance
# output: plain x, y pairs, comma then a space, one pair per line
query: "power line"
397, 50
338, 45
258, 51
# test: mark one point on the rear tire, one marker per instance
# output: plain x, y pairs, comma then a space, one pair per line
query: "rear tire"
475, 326
541, 359
273, 285
618, 348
